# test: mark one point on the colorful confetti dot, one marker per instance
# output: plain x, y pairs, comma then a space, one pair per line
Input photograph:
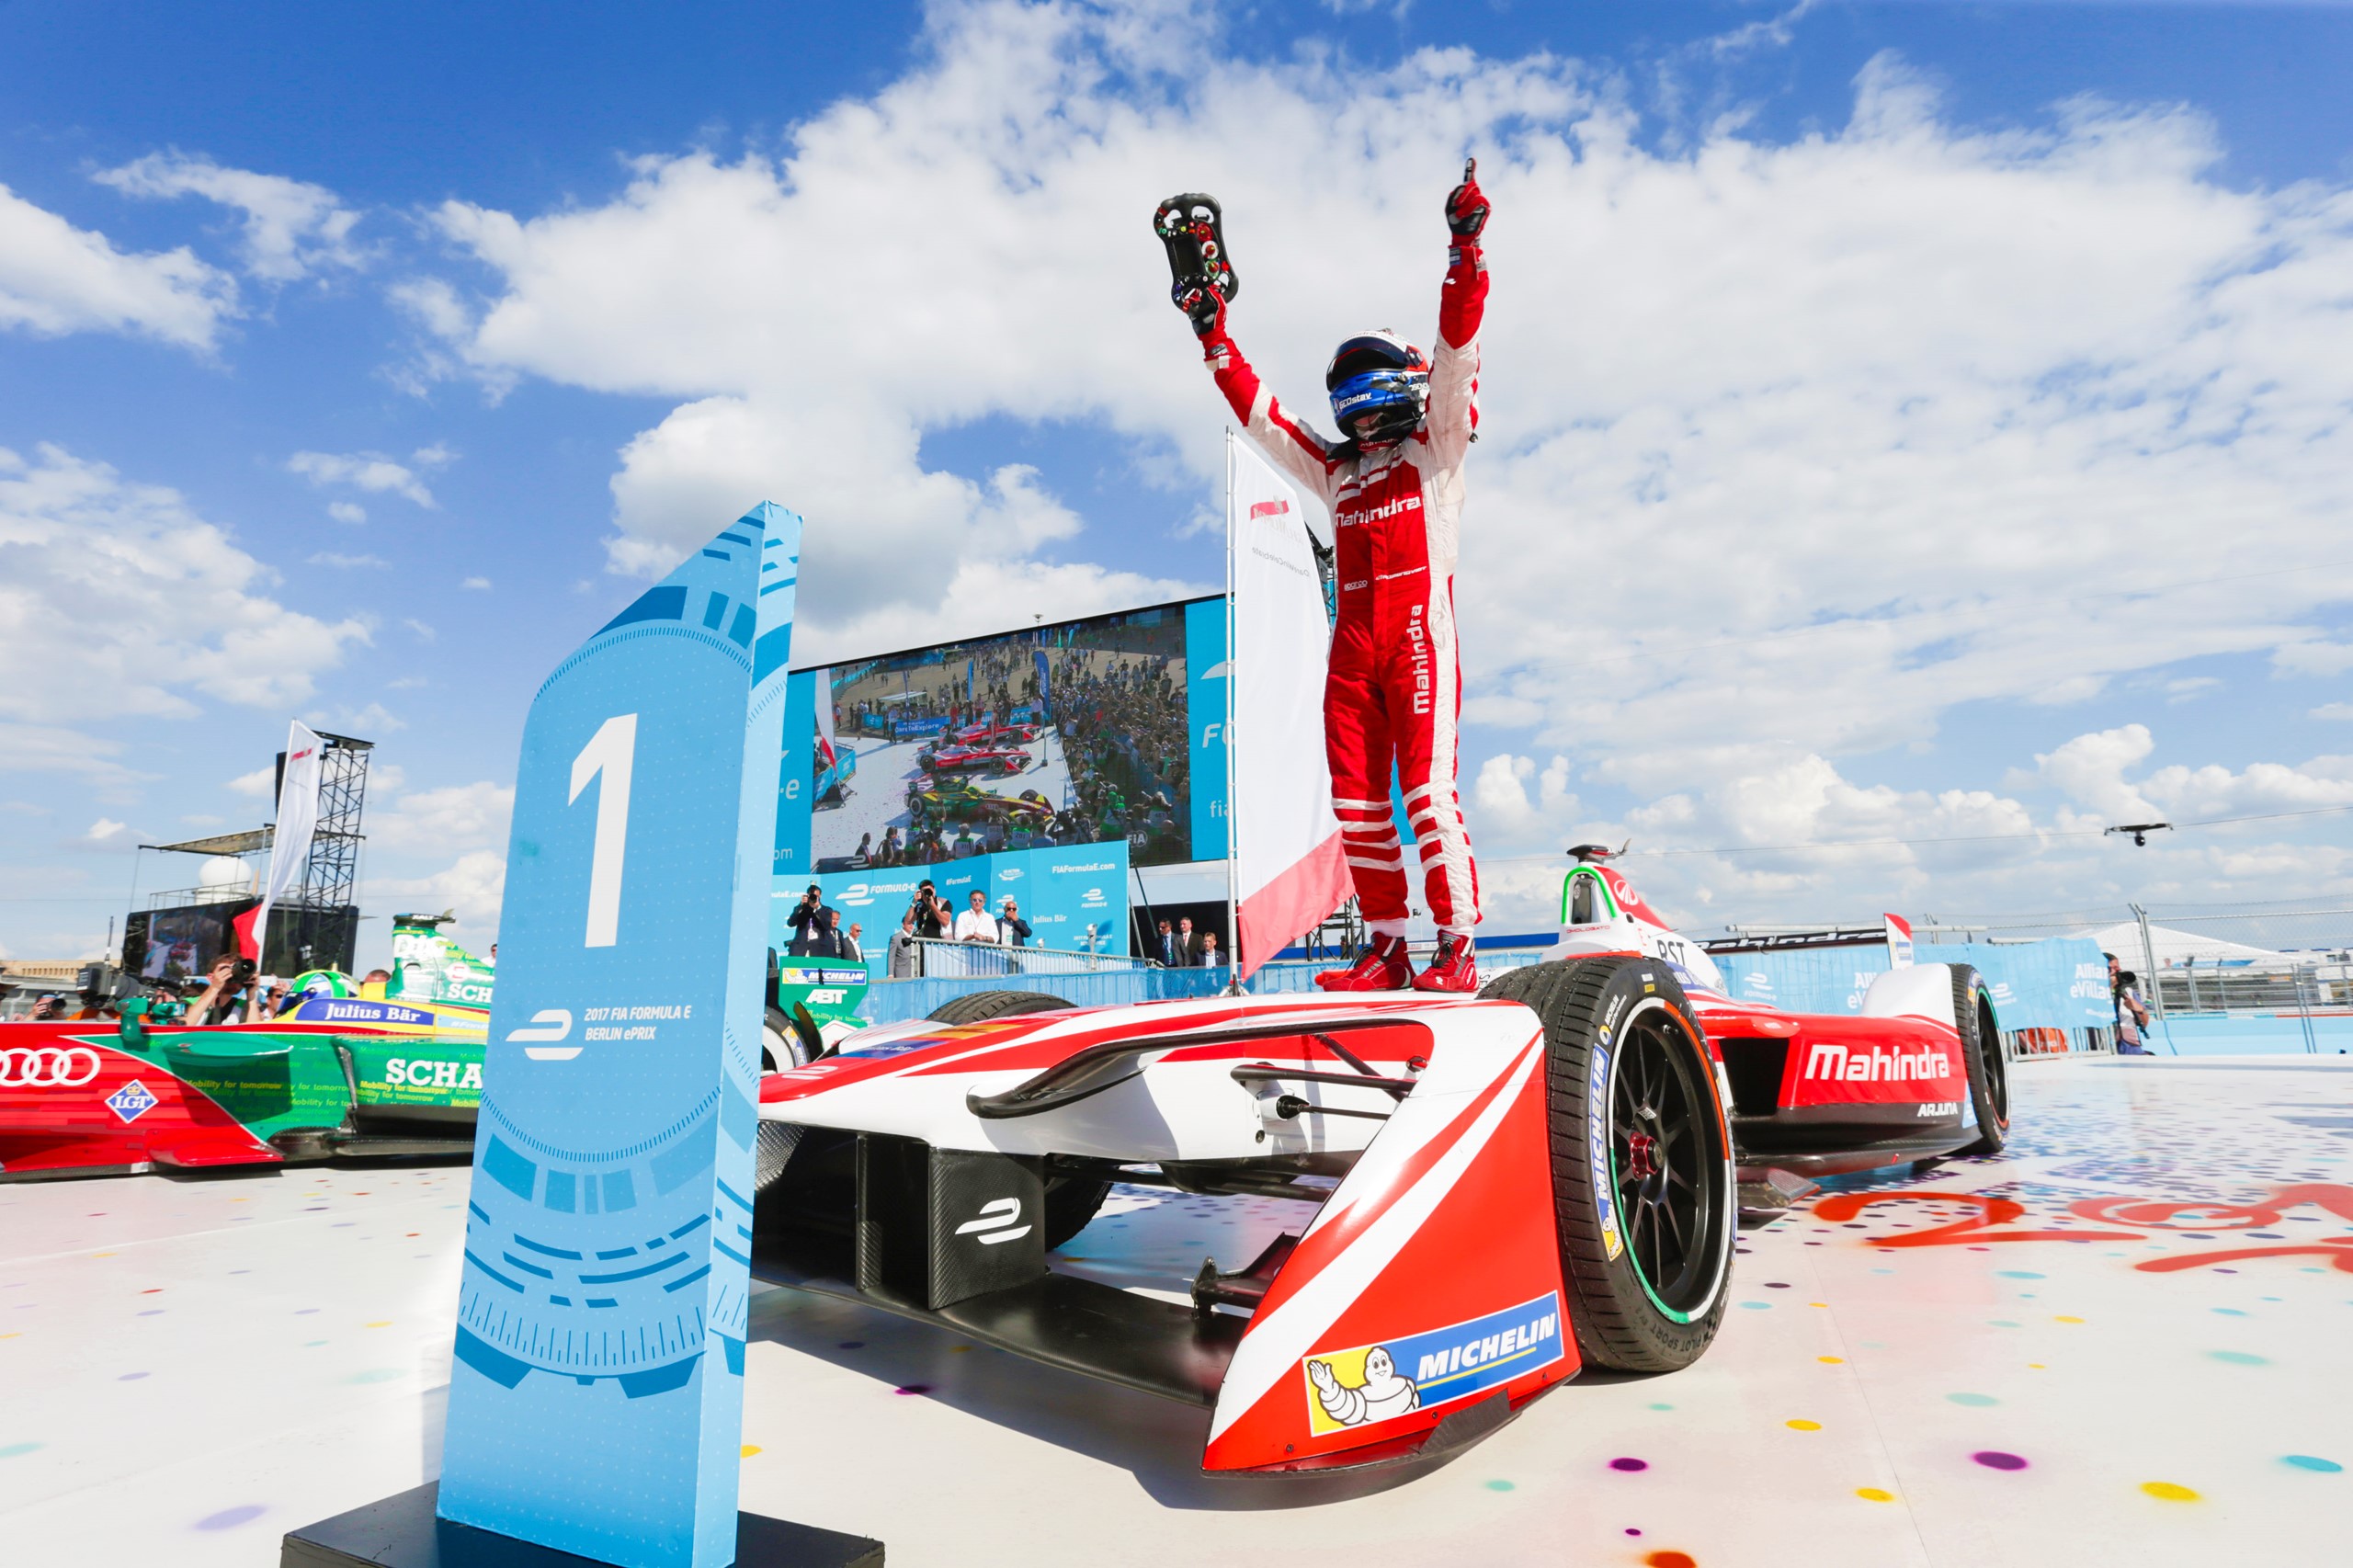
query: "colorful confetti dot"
1802, 1425
1500, 1486
2067, 1320
12, 1450
913, 1389
1629, 1464
229, 1518
1972, 1399
1832, 1360
751, 1449
2240, 1357
1873, 1495
1670, 1559
1994, 1458
2167, 1492
2310, 1462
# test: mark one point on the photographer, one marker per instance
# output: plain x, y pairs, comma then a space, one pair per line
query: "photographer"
224, 991
803, 919
2131, 1013
931, 913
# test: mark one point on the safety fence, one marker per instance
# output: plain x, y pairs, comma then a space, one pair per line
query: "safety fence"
937, 960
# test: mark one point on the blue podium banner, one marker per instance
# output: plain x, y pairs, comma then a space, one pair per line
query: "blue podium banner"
596, 1401
1074, 897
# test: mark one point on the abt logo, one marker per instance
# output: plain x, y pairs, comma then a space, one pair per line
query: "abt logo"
1000, 1221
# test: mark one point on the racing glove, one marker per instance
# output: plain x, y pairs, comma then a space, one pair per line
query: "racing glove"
1466, 206
1205, 307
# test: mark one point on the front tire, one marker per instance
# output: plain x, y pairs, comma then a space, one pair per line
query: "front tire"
1643, 1184
1981, 1049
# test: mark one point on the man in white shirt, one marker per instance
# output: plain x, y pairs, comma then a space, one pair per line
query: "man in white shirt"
976, 924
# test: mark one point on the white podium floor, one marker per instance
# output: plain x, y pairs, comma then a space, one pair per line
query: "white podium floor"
2128, 1341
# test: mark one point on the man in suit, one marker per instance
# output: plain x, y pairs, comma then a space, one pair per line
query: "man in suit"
1172, 954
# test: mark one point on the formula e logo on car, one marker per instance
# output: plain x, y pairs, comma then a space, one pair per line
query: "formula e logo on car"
999, 1222
48, 1067
1877, 1065
423, 1075
132, 1101
1371, 1383
547, 1024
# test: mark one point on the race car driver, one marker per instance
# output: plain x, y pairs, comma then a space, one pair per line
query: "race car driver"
1394, 483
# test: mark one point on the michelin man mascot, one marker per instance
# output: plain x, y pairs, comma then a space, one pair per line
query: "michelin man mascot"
1393, 484
1382, 1394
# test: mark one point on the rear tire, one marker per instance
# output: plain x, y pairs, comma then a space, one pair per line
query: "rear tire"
1981, 1049
1643, 1185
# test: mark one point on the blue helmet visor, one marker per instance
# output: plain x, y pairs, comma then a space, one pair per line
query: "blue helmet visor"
1388, 393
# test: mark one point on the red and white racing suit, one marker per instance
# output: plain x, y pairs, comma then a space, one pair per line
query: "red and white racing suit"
1395, 689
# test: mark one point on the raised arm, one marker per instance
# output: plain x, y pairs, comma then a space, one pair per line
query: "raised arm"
1461, 306
1290, 446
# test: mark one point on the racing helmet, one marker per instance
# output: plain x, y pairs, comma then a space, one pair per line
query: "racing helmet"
1380, 386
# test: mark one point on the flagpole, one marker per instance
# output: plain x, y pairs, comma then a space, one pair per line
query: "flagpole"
1232, 843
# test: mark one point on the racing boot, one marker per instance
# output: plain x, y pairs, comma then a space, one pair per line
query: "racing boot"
1384, 966
1454, 969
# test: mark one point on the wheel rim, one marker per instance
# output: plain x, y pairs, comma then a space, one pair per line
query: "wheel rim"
1661, 1164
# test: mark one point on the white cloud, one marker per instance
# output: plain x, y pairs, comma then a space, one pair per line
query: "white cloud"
255, 785
56, 278
347, 512
104, 829
365, 470
418, 628
480, 585
117, 599
473, 885
2332, 710
293, 229
2090, 770
459, 817
330, 558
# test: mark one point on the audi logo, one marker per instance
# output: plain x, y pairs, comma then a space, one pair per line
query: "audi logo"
47, 1066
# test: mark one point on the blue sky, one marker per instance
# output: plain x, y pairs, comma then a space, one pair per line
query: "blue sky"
1890, 405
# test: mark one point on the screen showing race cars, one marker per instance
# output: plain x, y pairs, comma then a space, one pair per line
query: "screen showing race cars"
1101, 731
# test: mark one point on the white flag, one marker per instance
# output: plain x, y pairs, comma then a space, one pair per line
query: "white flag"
1289, 869
298, 816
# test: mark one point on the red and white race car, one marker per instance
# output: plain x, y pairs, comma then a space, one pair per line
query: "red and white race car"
972, 759
988, 735
1492, 1192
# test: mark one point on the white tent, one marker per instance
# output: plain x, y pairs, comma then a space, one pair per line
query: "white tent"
2172, 946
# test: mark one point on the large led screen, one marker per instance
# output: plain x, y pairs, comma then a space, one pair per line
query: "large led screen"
1096, 731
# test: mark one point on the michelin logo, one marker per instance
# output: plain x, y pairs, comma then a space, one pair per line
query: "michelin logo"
1364, 1386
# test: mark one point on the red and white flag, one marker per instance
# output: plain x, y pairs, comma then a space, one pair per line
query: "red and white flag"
1289, 870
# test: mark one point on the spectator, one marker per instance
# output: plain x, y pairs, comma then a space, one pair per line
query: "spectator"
1016, 930
2132, 1016
852, 948
893, 851
976, 924
824, 937
905, 962
1189, 947
48, 1007
1172, 953
494, 952
1211, 957
276, 1001
865, 856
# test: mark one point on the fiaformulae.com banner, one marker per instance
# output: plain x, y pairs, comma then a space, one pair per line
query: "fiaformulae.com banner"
1074, 898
